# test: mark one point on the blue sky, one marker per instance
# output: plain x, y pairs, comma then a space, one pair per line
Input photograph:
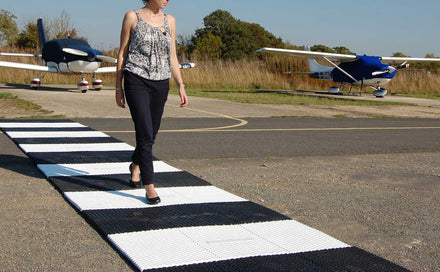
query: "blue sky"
366, 27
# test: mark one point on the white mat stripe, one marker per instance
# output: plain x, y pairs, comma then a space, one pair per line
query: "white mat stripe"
195, 245
28, 148
94, 169
41, 125
130, 199
56, 134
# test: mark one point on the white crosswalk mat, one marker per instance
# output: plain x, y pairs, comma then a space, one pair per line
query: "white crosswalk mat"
197, 226
130, 199
184, 246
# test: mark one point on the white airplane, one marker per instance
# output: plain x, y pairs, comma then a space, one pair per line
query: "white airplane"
352, 69
67, 56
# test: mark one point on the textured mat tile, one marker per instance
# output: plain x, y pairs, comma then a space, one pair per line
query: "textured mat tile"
183, 246
97, 200
119, 182
91, 147
81, 157
113, 221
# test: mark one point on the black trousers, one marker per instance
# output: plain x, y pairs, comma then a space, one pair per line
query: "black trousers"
146, 100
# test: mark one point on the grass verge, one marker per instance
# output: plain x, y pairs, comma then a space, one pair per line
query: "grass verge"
27, 109
259, 97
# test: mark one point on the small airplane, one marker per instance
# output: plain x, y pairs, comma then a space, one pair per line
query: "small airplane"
352, 69
68, 56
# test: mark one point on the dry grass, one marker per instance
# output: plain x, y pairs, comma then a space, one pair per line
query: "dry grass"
238, 75
415, 83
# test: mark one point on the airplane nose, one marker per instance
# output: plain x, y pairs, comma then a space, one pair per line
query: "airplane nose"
387, 70
391, 69
91, 56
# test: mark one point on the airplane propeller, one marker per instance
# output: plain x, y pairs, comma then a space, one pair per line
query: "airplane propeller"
91, 55
389, 70
403, 65
75, 52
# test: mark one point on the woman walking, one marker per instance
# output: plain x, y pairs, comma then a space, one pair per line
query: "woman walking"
147, 59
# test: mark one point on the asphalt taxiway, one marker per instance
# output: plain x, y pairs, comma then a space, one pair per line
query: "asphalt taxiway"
372, 183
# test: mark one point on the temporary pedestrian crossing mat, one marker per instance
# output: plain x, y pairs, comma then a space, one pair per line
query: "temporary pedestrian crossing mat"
197, 227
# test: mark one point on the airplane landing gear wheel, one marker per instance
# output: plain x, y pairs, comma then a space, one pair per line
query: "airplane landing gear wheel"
380, 92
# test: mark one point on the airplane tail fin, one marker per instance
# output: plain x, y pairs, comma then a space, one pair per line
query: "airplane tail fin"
41, 33
315, 67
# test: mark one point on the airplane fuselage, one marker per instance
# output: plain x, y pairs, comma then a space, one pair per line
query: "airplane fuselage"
374, 81
59, 54
365, 70
75, 67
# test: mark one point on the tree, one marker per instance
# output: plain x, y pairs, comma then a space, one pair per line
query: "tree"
235, 39
343, 50
60, 28
209, 47
322, 48
183, 47
28, 38
399, 55
8, 28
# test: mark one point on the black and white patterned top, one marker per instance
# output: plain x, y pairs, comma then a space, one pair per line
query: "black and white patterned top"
149, 53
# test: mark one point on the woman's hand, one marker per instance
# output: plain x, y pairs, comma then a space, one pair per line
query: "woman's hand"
120, 98
183, 96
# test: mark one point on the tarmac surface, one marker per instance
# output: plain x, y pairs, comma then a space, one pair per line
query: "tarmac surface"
372, 183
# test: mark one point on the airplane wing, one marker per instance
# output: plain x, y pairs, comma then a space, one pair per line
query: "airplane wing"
28, 66
308, 54
187, 65
20, 55
337, 57
111, 69
404, 59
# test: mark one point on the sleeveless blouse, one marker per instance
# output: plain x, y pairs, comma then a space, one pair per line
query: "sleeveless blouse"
149, 52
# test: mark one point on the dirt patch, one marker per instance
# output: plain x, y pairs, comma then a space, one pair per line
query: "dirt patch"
12, 108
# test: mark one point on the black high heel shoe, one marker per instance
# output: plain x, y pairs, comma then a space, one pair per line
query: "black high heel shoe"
153, 201
134, 184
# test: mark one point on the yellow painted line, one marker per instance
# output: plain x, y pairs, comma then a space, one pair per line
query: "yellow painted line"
279, 129
241, 122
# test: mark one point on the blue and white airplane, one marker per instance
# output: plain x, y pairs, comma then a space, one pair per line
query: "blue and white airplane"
67, 56
352, 69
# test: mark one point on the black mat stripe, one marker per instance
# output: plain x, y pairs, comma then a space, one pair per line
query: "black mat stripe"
207, 214
343, 259
85, 140
81, 157
120, 182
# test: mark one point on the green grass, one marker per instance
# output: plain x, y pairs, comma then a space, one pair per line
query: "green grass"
259, 97
7, 96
